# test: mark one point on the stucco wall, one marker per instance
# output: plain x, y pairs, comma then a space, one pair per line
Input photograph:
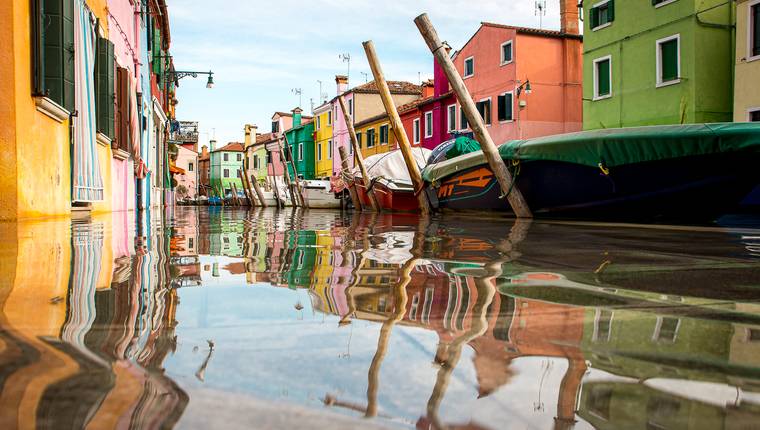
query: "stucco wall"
747, 88
190, 178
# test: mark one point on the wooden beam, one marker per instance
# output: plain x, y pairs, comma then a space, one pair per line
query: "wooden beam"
398, 127
297, 182
358, 154
347, 173
258, 191
286, 174
505, 179
247, 188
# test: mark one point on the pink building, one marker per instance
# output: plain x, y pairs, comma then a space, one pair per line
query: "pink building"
281, 122
187, 160
340, 128
526, 82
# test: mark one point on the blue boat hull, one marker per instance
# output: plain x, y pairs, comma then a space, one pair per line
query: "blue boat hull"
699, 187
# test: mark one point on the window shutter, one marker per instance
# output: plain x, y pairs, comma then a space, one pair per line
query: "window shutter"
603, 78
508, 106
122, 107
38, 56
611, 11
594, 17
669, 54
756, 29
58, 51
104, 84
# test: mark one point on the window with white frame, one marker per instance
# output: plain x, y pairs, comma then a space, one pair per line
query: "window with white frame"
428, 124
329, 149
602, 14
300, 151
603, 78
239, 157
753, 30
226, 173
226, 157
416, 131
669, 60
319, 151
469, 67
384, 134
319, 121
658, 3
329, 117
506, 52
255, 161
463, 123
484, 108
505, 107
451, 117
351, 106
358, 140
754, 115
190, 167
371, 138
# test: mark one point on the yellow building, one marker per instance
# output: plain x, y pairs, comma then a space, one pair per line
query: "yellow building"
323, 141
746, 87
375, 135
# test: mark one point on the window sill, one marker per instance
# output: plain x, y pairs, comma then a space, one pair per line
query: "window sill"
668, 83
52, 109
507, 121
664, 3
597, 98
103, 140
506, 63
601, 26
120, 154
751, 59
468, 76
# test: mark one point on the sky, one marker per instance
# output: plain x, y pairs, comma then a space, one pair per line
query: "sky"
260, 51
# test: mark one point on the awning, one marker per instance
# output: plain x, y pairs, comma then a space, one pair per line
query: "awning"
176, 170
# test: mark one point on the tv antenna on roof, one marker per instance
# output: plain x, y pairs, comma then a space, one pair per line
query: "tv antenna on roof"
297, 91
540, 12
346, 58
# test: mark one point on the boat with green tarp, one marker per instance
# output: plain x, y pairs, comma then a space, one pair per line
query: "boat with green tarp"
694, 171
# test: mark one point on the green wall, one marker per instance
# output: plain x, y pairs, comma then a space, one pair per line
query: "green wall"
303, 134
705, 93
217, 169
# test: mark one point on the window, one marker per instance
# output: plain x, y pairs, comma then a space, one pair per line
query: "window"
275, 126
451, 117
358, 141
319, 151
505, 104
603, 78
384, 134
370, 138
256, 162
226, 156
484, 108
506, 52
105, 96
329, 117
602, 325
469, 67
190, 167
602, 14
669, 61
658, 3
416, 131
329, 149
300, 151
122, 112
351, 106
753, 27
463, 124
666, 329
319, 121
428, 124
226, 173
53, 58
754, 115
240, 157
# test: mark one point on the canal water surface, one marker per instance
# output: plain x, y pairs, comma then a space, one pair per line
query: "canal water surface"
223, 318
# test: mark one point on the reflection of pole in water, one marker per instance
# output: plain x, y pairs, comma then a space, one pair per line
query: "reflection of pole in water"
346, 319
201, 373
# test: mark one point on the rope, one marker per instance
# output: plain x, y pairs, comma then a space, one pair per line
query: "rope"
515, 174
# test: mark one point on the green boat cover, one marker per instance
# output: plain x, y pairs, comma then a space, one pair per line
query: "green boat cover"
462, 145
616, 147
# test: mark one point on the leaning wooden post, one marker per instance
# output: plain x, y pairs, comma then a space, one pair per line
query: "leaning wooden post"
505, 179
397, 126
358, 154
235, 198
258, 191
286, 174
247, 188
350, 182
295, 183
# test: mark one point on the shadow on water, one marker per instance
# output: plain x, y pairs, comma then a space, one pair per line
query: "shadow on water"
265, 318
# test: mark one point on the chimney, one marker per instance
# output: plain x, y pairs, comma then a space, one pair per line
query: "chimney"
204, 151
212, 143
342, 82
569, 16
428, 88
297, 116
250, 135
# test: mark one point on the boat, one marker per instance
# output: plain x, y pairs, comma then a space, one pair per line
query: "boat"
390, 180
318, 194
696, 171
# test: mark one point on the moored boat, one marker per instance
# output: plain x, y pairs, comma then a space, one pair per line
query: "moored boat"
389, 179
695, 171
318, 195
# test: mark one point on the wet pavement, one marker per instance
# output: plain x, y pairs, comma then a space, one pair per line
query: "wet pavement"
221, 318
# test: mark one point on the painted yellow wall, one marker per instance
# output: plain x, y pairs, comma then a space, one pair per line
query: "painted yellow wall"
378, 148
747, 90
323, 135
105, 155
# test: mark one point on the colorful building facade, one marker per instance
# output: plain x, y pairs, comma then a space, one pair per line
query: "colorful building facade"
375, 135
225, 163
746, 88
659, 62
323, 140
301, 146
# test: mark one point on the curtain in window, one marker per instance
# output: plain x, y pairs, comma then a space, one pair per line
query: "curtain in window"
86, 180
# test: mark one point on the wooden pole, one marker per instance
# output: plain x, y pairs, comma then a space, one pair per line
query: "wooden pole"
505, 179
286, 174
297, 182
358, 154
247, 188
347, 173
397, 126
258, 191
235, 199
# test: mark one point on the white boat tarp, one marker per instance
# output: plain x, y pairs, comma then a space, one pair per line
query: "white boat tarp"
391, 165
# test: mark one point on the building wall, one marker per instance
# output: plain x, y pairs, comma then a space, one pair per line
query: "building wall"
190, 179
747, 89
377, 148
217, 169
340, 135
323, 135
704, 93
303, 135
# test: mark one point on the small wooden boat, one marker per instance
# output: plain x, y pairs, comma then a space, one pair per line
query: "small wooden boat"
389, 179
318, 195
696, 171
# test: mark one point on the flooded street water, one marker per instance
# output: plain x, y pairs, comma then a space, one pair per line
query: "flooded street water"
222, 318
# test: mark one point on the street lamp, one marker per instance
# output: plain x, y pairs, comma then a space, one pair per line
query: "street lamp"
210, 82
526, 87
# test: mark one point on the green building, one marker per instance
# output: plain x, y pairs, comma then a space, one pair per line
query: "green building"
301, 145
225, 163
652, 62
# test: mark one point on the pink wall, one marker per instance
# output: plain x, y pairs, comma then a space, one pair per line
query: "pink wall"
122, 185
190, 178
340, 134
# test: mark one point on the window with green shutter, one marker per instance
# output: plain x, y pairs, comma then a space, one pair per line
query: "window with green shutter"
602, 14
668, 60
504, 107
105, 87
602, 78
754, 28
53, 50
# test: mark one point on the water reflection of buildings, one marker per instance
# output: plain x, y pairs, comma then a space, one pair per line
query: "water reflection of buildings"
85, 346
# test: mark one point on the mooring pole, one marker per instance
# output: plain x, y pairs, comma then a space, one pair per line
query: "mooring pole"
301, 199
358, 154
397, 126
257, 189
505, 179
286, 174
347, 174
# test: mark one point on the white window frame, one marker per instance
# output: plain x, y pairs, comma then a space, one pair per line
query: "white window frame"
606, 24
464, 67
368, 134
300, 151
511, 50
380, 134
329, 149
596, 95
665, 3
350, 107
461, 117
416, 131
750, 111
428, 124
329, 117
225, 156
512, 99
658, 329
658, 53
190, 167
319, 151
449, 116
319, 121
239, 157
490, 110
750, 57
225, 173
